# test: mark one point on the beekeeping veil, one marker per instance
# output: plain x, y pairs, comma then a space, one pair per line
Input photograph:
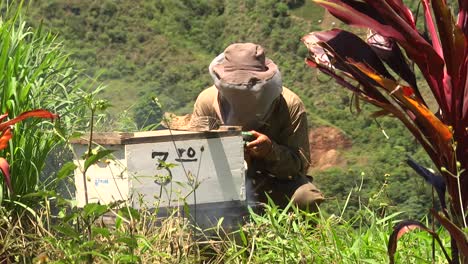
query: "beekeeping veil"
248, 85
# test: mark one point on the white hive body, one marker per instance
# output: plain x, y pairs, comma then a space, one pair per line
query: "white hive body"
161, 169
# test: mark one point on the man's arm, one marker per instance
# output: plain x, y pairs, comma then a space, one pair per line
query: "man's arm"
288, 159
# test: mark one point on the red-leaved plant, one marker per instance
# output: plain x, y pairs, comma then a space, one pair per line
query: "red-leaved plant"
5, 136
441, 55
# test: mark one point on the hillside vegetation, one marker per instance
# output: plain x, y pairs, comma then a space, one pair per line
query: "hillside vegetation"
162, 48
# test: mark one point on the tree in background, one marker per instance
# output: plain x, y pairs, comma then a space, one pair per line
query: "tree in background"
441, 55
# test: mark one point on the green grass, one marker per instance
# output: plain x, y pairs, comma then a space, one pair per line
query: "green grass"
277, 236
122, 95
309, 11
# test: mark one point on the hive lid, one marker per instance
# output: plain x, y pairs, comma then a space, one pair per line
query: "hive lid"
125, 138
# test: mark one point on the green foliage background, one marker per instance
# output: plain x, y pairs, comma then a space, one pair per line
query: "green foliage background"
162, 48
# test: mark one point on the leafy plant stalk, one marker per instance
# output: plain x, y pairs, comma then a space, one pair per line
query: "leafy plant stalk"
442, 58
457, 177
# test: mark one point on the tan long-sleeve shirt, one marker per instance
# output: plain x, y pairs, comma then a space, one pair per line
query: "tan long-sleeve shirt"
286, 127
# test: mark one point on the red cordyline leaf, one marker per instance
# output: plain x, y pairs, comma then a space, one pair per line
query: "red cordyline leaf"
443, 63
408, 91
455, 232
404, 227
416, 106
367, 90
387, 106
331, 44
3, 116
40, 113
436, 181
388, 51
390, 24
347, 12
432, 28
5, 168
5, 137
402, 11
355, 48
433, 129
454, 53
462, 21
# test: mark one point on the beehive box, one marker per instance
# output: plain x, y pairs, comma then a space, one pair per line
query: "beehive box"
165, 169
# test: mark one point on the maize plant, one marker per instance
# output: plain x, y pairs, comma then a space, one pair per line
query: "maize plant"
380, 69
36, 73
6, 135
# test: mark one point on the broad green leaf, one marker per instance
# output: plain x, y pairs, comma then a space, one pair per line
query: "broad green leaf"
41, 194
130, 213
66, 170
76, 135
128, 258
100, 231
94, 209
131, 242
96, 157
67, 230
118, 222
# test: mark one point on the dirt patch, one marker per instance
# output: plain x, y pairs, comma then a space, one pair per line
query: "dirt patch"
326, 144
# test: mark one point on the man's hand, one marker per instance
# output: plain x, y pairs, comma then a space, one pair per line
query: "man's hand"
260, 147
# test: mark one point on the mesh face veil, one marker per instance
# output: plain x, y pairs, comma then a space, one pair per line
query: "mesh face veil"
246, 104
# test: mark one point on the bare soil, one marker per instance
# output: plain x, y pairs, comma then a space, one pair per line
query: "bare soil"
326, 146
